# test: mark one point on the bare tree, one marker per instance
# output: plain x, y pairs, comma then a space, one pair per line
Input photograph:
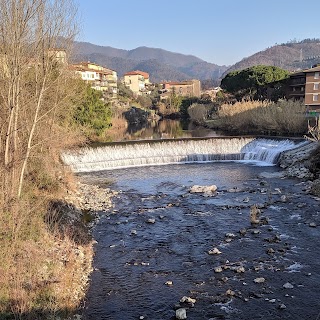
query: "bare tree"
34, 36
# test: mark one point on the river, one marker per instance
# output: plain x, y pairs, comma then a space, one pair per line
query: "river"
153, 248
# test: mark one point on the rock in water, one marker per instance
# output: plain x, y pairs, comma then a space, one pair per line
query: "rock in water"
259, 280
214, 251
181, 313
203, 189
288, 285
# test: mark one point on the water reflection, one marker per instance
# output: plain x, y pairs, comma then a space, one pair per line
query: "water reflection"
167, 129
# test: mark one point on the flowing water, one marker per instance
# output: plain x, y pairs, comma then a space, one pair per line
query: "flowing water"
153, 247
160, 152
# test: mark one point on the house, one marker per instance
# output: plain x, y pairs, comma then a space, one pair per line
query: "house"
137, 81
188, 88
305, 86
99, 77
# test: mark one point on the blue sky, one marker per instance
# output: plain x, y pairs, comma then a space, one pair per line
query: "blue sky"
221, 32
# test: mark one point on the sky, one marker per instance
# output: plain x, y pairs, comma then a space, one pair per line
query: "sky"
218, 31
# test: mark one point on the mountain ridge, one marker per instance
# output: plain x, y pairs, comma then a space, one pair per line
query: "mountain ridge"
163, 65
159, 63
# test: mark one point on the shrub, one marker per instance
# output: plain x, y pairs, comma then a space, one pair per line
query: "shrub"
263, 117
92, 113
198, 112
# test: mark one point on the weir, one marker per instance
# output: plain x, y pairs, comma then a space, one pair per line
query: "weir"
161, 152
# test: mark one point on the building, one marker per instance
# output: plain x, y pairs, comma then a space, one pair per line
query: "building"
99, 78
189, 88
305, 86
312, 88
137, 81
296, 88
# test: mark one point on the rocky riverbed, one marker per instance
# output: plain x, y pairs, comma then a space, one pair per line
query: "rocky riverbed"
171, 248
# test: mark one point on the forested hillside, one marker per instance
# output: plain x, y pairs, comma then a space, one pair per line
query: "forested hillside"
291, 56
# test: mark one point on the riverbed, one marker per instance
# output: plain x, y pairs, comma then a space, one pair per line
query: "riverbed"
160, 243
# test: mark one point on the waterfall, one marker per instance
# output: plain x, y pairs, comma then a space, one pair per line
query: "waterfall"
142, 153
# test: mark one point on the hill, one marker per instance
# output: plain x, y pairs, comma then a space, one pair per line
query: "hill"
159, 63
290, 56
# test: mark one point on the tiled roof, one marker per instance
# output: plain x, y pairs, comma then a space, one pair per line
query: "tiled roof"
137, 72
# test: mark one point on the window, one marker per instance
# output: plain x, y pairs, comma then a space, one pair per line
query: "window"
317, 75
316, 86
315, 97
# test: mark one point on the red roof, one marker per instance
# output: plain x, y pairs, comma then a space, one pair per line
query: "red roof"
137, 72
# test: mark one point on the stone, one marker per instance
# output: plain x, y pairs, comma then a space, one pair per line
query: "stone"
151, 220
203, 189
230, 292
256, 231
181, 314
214, 251
218, 269
270, 251
169, 283
288, 285
259, 280
312, 225
246, 200
282, 306
133, 232
188, 300
240, 269
230, 235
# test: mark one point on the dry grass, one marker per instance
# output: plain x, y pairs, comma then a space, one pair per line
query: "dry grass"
263, 117
44, 261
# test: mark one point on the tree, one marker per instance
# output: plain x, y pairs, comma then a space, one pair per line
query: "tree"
92, 112
32, 81
249, 82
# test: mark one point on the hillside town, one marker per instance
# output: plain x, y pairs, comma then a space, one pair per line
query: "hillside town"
302, 85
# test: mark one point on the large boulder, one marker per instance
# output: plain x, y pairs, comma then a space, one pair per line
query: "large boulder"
137, 116
296, 161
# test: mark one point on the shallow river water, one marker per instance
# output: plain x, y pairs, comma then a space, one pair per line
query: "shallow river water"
153, 247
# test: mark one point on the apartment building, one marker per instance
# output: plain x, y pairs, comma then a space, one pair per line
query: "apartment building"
305, 86
137, 81
312, 88
99, 77
189, 88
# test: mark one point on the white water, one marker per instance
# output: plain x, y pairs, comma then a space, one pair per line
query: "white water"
125, 155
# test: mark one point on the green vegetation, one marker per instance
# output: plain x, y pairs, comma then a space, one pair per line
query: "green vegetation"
248, 83
92, 113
